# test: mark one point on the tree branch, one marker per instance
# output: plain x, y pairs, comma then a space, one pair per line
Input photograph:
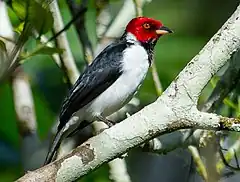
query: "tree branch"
81, 29
66, 57
226, 159
198, 161
225, 85
26, 118
117, 167
55, 56
23, 103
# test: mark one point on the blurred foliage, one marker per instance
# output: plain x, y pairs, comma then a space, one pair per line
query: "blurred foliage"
29, 11
193, 21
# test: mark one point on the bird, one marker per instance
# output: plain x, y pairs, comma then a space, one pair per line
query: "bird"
110, 81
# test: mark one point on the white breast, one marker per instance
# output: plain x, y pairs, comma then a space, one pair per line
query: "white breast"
134, 66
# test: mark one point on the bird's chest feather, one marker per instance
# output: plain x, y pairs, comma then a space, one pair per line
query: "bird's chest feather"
134, 69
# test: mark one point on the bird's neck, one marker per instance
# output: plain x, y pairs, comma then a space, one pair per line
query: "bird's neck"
129, 37
148, 46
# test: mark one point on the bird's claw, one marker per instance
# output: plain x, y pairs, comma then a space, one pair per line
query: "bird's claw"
106, 121
123, 156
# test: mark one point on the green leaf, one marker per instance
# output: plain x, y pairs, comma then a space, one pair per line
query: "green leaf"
40, 16
19, 28
19, 7
41, 49
34, 12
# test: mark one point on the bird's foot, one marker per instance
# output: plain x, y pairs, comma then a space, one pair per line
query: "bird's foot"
123, 156
106, 121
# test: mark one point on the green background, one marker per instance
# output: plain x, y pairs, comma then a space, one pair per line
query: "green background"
193, 21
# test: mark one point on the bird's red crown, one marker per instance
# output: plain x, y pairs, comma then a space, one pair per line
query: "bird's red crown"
146, 29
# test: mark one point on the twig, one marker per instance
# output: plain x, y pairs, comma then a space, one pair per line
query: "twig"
68, 64
55, 57
156, 79
81, 29
198, 161
236, 158
226, 158
80, 11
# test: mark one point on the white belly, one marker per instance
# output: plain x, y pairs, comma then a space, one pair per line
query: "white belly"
134, 67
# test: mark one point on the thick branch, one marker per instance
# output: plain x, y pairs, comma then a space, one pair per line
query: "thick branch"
117, 167
93, 152
184, 138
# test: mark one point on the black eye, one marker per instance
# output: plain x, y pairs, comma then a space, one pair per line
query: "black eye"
146, 26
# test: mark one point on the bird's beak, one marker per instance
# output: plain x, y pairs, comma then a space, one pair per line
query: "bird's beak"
163, 30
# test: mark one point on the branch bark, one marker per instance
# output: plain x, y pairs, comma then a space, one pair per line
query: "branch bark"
66, 57
225, 85
175, 109
23, 101
26, 118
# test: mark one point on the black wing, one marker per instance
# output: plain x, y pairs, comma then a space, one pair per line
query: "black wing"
103, 72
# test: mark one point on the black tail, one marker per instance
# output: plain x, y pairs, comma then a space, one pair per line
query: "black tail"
61, 134
54, 146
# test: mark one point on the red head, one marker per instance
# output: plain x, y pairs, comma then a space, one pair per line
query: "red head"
146, 29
